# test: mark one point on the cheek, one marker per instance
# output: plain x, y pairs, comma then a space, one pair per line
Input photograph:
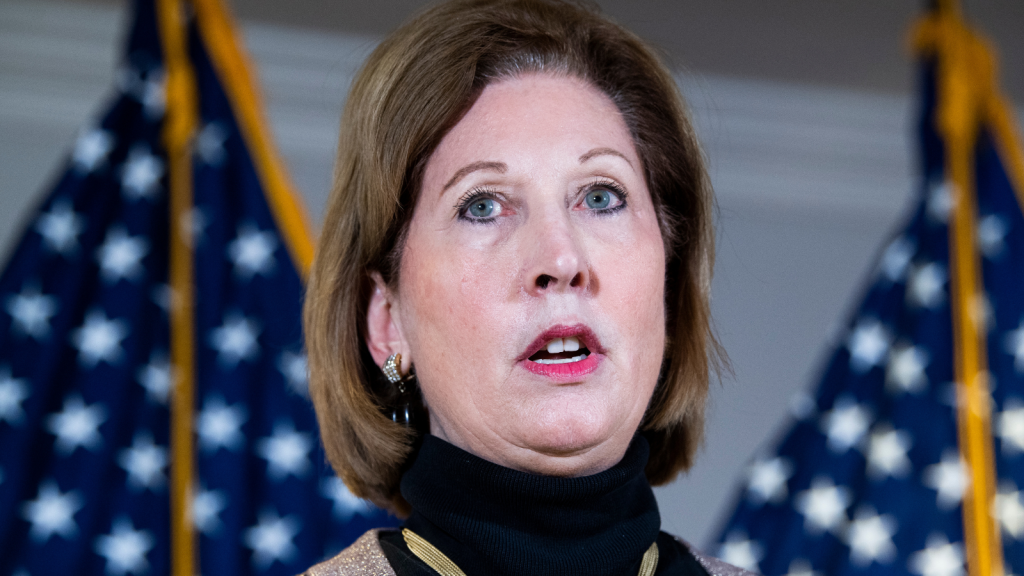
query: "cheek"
634, 281
451, 302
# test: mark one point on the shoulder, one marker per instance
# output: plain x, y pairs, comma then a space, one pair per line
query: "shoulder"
363, 558
714, 566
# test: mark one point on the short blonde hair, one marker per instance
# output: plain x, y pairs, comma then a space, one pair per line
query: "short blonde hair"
412, 90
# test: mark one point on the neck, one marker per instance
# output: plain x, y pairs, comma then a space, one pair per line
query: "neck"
495, 520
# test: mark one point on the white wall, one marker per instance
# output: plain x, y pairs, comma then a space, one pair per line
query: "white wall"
809, 180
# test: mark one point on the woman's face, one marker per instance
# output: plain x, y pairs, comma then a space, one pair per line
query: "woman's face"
531, 293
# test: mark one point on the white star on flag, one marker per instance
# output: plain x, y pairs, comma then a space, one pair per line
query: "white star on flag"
739, 550
60, 228
146, 87
155, 377
220, 425
286, 452
99, 339
939, 558
346, 504
823, 505
91, 149
235, 340
210, 144
125, 548
925, 286
13, 391
271, 539
31, 311
801, 567
1009, 509
869, 536
949, 478
295, 369
1010, 426
52, 512
142, 173
145, 462
905, 371
121, 255
887, 453
940, 201
896, 258
77, 425
252, 252
1013, 342
154, 95
992, 230
845, 424
868, 344
766, 480
206, 508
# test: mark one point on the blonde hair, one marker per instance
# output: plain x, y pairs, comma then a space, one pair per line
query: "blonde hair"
414, 87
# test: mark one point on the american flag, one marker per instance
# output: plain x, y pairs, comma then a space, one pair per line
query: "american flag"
87, 377
909, 456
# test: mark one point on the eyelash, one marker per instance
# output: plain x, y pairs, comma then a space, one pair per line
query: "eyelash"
476, 194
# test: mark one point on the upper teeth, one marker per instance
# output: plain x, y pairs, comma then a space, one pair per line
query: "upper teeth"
570, 344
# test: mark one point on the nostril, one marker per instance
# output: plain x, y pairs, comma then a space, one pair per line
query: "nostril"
577, 280
543, 280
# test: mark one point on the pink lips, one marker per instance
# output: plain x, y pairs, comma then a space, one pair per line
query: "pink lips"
571, 371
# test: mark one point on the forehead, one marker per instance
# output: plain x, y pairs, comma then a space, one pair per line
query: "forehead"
536, 115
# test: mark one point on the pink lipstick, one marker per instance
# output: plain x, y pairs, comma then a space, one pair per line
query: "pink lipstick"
564, 353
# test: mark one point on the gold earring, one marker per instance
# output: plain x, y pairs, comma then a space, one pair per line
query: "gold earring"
406, 407
392, 369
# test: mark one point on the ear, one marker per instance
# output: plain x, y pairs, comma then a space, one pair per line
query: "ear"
383, 326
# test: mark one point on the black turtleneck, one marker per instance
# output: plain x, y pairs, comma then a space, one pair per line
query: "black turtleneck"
492, 520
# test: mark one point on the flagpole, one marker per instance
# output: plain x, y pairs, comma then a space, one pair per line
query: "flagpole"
961, 97
179, 126
217, 33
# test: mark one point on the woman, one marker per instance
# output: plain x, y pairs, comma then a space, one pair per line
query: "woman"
507, 319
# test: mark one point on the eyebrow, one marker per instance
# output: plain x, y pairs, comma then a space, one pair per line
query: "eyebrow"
602, 152
499, 167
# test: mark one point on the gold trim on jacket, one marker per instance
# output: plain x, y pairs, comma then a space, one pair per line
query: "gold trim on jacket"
366, 558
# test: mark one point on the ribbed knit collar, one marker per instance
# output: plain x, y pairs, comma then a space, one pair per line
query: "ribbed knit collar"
494, 520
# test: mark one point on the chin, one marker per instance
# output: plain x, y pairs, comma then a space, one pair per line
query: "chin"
574, 444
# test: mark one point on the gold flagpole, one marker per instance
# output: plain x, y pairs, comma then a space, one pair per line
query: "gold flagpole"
962, 90
180, 122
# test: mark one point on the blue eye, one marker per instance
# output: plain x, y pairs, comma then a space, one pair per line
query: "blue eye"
482, 208
604, 198
598, 199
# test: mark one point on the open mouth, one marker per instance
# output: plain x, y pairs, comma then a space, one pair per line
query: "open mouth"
564, 354
561, 351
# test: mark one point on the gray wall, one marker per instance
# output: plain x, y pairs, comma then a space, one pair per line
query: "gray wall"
810, 180
851, 43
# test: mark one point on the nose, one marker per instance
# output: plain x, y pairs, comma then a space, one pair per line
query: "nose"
557, 260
